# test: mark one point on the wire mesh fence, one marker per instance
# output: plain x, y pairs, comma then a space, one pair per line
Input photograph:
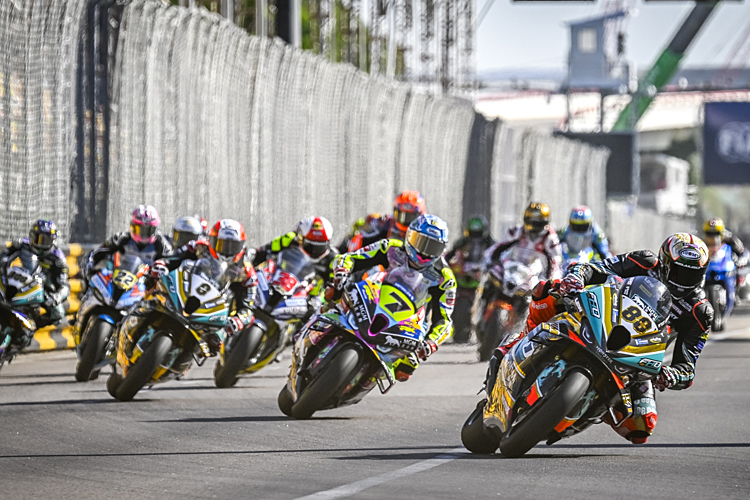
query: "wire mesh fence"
196, 116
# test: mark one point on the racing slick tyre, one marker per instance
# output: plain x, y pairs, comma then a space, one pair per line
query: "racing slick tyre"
714, 297
113, 382
473, 434
144, 368
339, 371
241, 348
552, 409
285, 401
93, 351
462, 319
493, 335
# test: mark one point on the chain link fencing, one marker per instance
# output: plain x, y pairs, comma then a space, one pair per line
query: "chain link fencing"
140, 102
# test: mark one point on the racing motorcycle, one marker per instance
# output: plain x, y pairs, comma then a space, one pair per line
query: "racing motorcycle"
21, 299
161, 335
506, 290
281, 305
467, 267
575, 370
342, 354
111, 292
720, 283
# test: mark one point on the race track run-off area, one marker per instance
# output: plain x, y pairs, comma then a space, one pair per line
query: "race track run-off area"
187, 439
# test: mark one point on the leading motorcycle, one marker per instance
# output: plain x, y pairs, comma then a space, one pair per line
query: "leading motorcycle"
720, 282
281, 305
117, 286
503, 297
21, 299
160, 337
342, 354
575, 370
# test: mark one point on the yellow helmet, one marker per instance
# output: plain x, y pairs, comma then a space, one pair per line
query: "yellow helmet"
714, 227
536, 218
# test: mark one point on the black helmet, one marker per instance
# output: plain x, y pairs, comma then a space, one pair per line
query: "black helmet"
42, 236
683, 260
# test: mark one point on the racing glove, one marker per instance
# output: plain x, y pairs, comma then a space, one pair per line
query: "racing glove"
159, 269
233, 326
51, 299
340, 275
426, 349
665, 379
571, 284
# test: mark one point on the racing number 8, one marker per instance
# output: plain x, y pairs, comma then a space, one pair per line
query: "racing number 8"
633, 315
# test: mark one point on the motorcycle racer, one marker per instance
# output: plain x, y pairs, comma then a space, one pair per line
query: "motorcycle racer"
536, 235
225, 244
583, 232
42, 243
715, 230
143, 240
422, 250
407, 207
681, 265
477, 232
313, 236
186, 229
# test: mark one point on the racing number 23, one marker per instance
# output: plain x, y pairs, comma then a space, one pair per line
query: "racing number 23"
641, 324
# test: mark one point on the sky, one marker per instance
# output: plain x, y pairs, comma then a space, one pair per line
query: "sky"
534, 35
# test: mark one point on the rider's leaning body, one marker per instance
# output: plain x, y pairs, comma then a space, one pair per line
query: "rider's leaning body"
690, 317
420, 252
42, 243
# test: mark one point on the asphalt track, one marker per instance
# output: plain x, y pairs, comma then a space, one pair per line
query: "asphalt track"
62, 439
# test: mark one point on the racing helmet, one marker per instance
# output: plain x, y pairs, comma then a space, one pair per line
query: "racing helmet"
713, 228
42, 236
186, 229
226, 240
683, 260
536, 218
408, 206
581, 219
477, 227
315, 236
143, 224
425, 240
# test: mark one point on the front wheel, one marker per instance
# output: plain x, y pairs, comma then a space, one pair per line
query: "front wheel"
473, 434
552, 409
493, 335
285, 401
236, 358
144, 368
339, 371
462, 319
714, 297
93, 351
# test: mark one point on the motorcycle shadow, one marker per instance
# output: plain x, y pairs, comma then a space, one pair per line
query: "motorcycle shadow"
465, 455
245, 418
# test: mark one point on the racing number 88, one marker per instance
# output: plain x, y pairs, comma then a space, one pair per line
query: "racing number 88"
633, 315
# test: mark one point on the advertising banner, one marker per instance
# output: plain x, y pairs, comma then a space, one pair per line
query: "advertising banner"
726, 143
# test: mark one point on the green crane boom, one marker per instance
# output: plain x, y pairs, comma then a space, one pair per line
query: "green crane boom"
665, 66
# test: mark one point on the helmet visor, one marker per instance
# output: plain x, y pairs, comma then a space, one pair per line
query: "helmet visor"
424, 245
315, 249
143, 232
226, 247
685, 277
405, 218
181, 238
43, 241
534, 225
580, 227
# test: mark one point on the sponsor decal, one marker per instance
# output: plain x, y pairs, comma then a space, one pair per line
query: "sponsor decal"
689, 253
587, 336
650, 363
641, 341
603, 354
593, 305
391, 342
627, 400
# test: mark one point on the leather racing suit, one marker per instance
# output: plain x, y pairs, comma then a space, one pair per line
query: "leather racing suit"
391, 254
123, 243
56, 286
594, 237
690, 320
547, 244
375, 229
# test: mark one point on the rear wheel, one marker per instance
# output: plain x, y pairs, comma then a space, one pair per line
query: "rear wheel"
473, 434
93, 351
242, 347
493, 335
285, 401
144, 368
553, 408
339, 371
462, 319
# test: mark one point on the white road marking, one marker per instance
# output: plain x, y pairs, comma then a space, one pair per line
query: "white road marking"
350, 489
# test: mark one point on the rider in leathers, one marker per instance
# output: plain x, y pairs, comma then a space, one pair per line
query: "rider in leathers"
41, 242
422, 250
690, 319
143, 240
225, 243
